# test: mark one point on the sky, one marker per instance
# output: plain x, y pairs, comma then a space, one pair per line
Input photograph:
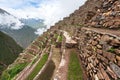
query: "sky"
51, 11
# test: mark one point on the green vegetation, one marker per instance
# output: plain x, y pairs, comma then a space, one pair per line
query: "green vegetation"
74, 70
38, 67
9, 50
60, 38
48, 72
56, 35
79, 25
112, 50
12, 72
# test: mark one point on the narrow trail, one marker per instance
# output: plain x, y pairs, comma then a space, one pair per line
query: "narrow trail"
56, 57
61, 73
104, 31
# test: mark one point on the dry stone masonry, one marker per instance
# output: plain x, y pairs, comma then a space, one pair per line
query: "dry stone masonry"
99, 54
94, 30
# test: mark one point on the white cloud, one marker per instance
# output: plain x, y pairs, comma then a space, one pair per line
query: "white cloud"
49, 10
40, 31
8, 21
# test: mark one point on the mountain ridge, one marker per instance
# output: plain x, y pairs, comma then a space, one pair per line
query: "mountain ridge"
96, 49
9, 50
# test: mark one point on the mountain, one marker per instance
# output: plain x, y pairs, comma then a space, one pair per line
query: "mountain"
23, 36
83, 46
20, 32
9, 51
3, 11
34, 23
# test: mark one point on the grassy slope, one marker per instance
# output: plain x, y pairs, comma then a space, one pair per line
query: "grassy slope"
9, 49
74, 71
38, 67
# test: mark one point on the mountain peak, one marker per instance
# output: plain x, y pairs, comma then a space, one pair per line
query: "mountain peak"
3, 11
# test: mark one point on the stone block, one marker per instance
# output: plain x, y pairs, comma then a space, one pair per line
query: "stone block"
99, 51
110, 56
117, 51
94, 43
102, 58
115, 42
118, 58
106, 77
100, 76
99, 46
111, 73
115, 68
118, 63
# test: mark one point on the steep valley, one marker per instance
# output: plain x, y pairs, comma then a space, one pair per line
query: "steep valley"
9, 51
83, 46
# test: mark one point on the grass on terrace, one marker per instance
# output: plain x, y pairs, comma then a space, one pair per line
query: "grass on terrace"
74, 68
38, 67
12, 72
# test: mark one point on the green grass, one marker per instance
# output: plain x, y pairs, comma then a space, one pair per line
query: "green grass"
38, 67
9, 50
60, 38
48, 72
112, 50
74, 70
12, 72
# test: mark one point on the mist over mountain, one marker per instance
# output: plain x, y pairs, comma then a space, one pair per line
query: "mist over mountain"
23, 31
34, 23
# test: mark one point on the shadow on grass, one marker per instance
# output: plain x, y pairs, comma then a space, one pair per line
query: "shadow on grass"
48, 72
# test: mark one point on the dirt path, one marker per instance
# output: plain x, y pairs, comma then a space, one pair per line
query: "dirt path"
105, 31
61, 73
56, 57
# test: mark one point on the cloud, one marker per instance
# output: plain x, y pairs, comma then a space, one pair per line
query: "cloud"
50, 11
40, 31
8, 21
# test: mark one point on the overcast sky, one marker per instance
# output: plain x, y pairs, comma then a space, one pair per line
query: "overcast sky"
51, 11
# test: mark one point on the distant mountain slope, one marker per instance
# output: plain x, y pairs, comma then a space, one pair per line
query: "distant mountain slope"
23, 36
9, 50
3, 11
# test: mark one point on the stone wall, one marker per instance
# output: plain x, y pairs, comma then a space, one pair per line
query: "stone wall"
100, 55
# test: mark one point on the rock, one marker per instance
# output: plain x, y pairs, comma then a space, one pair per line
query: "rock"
102, 58
115, 42
96, 77
117, 51
99, 46
106, 77
110, 56
105, 38
99, 51
111, 73
118, 63
118, 58
94, 43
100, 76
115, 68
